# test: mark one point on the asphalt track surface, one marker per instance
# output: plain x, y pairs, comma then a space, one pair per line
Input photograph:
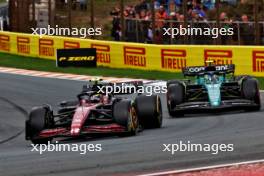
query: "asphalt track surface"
120, 156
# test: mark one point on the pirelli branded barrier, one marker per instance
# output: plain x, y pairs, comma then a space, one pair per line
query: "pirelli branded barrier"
248, 59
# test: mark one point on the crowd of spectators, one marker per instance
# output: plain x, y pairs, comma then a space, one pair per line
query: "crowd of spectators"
169, 13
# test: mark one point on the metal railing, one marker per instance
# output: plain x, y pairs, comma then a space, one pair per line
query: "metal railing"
3, 16
137, 30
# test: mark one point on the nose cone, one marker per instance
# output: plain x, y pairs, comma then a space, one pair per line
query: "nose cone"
79, 117
214, 94
215, 103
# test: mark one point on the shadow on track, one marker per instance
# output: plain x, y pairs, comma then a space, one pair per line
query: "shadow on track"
19, 109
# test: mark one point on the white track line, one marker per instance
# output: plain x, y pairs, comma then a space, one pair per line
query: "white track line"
6, 70
202, 168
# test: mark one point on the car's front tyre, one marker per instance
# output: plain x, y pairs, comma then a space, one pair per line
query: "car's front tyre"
124, 114
250, 91
40, 118
149, 111
175, 96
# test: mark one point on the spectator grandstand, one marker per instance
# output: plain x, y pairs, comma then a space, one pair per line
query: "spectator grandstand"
144, 20
200, 14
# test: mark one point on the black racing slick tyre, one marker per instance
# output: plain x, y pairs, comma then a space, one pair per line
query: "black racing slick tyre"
175, 96
124, 114
240, 78
250, 91
170, 82
39, 119
149, 111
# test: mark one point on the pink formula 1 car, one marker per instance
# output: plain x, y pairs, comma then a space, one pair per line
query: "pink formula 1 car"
94, 113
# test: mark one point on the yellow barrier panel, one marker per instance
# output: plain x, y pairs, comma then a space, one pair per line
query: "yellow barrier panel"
248, 59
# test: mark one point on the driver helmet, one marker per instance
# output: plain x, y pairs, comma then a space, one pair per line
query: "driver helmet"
95, 98
210, 62
210, 77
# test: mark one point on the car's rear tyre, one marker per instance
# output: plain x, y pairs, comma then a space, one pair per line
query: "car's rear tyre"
39, 119
149, 111
175, 96
124, 114
250, 91
170, 82
241, 77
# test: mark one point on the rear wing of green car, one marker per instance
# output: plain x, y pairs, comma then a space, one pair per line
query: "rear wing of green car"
200, 70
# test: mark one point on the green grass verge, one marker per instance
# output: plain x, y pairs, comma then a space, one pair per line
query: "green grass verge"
9, 60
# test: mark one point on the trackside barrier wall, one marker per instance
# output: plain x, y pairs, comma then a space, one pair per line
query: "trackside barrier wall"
248, 59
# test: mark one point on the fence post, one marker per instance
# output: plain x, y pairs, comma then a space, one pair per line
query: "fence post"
49, 11
238, 33
137, 28
1, 24
11, 14
153, 20
171, 40
122, 20
217, 6
256, 19
34, 12
92, 15
185, 23
70, 13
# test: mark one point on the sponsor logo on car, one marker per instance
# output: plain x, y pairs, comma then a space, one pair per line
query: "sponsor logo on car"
202, 68
195, 69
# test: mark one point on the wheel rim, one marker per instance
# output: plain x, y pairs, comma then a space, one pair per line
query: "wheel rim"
133, 120
159, 110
